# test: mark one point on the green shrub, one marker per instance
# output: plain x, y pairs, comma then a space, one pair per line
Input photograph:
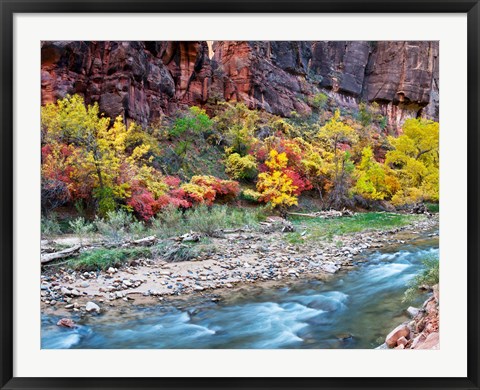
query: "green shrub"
383, 122
50, 225
137, 229
102, 259
169, 222
81, 228
195, 120
319, 100
185, 251
430, 276
207, 221
364, 114
114, 228
105, 200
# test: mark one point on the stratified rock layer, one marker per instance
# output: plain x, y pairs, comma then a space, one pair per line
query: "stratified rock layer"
138, 80
143, 80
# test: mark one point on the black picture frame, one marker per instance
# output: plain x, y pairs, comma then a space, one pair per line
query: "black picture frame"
9, 8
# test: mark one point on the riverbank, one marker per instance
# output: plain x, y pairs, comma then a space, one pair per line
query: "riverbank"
422, 331
240, 259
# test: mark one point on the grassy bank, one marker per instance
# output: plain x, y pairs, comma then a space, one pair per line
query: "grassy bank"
325, 229
173, 223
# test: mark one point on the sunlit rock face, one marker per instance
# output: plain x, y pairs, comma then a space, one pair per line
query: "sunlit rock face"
143, 80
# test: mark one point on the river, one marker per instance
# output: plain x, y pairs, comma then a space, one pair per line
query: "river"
353, 309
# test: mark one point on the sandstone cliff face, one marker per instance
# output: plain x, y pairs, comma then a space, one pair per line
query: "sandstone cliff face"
265, 75
143, 80
138, 80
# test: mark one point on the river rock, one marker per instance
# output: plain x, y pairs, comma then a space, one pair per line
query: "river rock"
413, 311
400, 331
402, 341
66, 323
330, 267
91, 306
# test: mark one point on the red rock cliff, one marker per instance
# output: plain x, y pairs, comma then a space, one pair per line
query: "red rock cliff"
142, 80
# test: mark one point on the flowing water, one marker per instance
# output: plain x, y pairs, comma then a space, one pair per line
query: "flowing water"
354, 309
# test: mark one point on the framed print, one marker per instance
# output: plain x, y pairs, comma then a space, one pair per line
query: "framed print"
228, 195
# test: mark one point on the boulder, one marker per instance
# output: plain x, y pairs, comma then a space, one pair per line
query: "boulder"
400, 331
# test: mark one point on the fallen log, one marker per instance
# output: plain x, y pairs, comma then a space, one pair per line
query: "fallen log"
147, 241
303, 214
325, 214
69, 252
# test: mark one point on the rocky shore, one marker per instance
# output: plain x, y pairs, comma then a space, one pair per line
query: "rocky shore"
241, 259
422, 331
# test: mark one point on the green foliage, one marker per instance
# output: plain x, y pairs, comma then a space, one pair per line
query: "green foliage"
105, 199
238, 124
115, 226
364, 115
137, 229
184, 251
205, 220
102, 259
195, 121
430, 276
432, 207
50, 225
383, 122
251, 195
81, 228
168, 222
319, 101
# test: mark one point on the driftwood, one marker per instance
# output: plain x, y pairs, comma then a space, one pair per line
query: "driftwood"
147, 241
188, 237
303, 214
69, 252
325, 214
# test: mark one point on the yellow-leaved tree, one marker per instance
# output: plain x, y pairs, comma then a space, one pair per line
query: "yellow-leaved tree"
370, 177
415, 159
335, 137
106, 153
275, 186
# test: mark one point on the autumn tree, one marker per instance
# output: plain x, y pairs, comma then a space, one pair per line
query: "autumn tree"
370, 174
279, 186
237, 123
336, 136
415, 159
104, 152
